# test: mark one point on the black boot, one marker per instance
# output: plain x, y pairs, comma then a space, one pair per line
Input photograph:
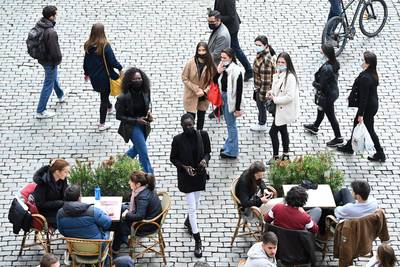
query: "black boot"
198, 248
188, 226
347, 148
378, 156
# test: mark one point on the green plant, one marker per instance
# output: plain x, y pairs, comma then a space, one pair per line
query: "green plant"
316, 168
83, 175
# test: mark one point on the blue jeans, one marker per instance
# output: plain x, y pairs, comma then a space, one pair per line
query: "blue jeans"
336, 8
50, 82
239, 53
231, 146
138, 139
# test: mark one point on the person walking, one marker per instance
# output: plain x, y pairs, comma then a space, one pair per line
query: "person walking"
190, 154
133, 110
335, 9
197, 77
230, 82
326, 85
364, 96
50, 61
263, 70
97, 48
285, 95
230, 18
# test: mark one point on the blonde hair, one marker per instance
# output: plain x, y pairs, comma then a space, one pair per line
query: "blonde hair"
97, 38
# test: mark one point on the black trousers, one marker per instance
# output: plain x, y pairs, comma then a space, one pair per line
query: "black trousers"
273, 133
200, 119
104, 105
329, 110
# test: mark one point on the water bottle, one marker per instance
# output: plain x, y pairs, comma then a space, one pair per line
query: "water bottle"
97, 193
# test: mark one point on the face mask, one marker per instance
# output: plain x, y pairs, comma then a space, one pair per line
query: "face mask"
212, 26
189, 131
227, 63
135, 84
323, 59
281, 68
259, 49
202, 56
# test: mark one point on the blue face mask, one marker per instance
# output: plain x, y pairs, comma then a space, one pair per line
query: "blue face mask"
259, 49
281, 68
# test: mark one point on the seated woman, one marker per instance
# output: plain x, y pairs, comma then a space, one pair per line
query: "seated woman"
250, 187
51, 183
291, 214
144, 205
384, 257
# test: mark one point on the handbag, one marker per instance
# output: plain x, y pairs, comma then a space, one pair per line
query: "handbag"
354, 97
320, 99
115, 85
271, 106
215, 98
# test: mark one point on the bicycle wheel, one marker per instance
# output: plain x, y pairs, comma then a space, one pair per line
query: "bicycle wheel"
335, 34
373, 17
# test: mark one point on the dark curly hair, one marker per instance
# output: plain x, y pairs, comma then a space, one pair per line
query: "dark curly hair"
145, 88
296, 197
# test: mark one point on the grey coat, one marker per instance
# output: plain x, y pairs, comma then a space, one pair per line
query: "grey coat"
219, 39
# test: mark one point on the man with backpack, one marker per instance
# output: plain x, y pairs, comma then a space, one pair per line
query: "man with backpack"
43, 45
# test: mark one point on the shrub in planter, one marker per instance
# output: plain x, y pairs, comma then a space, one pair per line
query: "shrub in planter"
82, 174
315, 168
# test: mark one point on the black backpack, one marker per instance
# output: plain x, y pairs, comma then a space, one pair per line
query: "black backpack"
35, 43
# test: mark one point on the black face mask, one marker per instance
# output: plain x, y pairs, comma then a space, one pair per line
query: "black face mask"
204, 56
212, 26
189, 131
135, 84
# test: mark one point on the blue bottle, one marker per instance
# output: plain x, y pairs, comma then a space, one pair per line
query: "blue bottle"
97, 193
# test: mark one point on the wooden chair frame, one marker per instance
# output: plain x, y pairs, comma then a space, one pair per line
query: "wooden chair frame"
156, 237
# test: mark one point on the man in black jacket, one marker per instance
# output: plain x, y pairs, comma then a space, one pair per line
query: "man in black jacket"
50, 61
231, 19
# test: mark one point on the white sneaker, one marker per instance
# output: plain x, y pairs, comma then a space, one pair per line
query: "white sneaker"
45, 115
103, 127
259, 128
61, 100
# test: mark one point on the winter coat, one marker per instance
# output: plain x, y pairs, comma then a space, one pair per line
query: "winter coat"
229, 16
50, 39
125, 113
326, 81
219, 40
185, 151
193, 83
94, 67
367, 88
19, 216
48, 194
81, 220
258, 258
286, 98
245, 193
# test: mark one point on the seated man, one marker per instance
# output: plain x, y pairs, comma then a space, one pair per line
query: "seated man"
81, 220
355, 204
291, 215
49, 260
263, 253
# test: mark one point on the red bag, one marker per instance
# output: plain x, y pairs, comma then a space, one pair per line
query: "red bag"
26, 194
215, 97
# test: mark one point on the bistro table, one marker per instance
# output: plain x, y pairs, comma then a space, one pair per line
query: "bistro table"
110, 205
321, 197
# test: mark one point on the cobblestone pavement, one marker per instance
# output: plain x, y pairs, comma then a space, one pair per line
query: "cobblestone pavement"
159, 36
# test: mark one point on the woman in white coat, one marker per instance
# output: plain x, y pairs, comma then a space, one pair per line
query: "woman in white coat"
285, 94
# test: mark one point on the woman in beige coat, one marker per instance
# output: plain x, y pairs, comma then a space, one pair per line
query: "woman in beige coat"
197, 77
285, 94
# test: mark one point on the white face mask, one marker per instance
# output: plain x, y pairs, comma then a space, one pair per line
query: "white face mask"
227, 62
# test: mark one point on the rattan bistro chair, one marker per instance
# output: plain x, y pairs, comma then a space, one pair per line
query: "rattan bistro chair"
156, 237
89, 251
247, 228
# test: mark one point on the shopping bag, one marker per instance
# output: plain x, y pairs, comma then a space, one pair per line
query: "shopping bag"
361, 140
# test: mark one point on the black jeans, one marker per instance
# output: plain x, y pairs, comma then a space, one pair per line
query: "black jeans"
273, 133
104, 105
329, 110
239, 53
262, 110
200, 119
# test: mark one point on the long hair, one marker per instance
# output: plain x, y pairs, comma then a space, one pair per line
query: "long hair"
208, 61
371, 60
145, 88
289, 65
329, 52
386, 256
255, 167
143, 179
97, 38
229, 51
264, 40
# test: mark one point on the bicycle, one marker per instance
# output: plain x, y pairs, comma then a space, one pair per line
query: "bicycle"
338, 30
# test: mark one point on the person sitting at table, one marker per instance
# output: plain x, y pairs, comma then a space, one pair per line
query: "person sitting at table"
291, 215
263, 253
51, 182
250, 187
144, 205
81, 220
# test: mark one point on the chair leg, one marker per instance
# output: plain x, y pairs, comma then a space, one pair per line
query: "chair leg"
48, 248
236, 230
22, 244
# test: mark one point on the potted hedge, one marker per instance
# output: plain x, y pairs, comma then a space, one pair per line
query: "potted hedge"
317, 168
112, 176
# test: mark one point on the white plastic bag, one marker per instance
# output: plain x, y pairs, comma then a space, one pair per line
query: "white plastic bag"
361, 140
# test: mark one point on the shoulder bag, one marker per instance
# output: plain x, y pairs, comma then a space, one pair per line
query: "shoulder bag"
115, 85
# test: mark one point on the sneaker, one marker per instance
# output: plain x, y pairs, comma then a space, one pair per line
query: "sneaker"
248, 75
345, 149
285, 157
378, 157
45, 115
258, 128
272, 160
335, 142
311, 128
61, 100
104, 126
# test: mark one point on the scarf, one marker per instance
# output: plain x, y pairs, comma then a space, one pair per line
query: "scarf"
233, 71
134, 194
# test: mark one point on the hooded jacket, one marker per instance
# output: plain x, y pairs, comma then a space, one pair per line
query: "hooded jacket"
48, 194
124, 261
258, 258
81, 220
50, 38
